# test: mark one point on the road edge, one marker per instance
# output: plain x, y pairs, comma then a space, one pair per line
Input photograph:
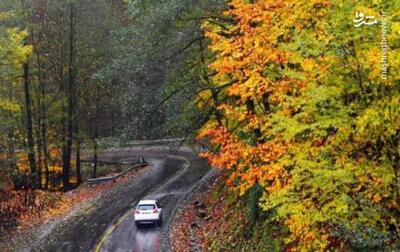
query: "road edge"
209, 175
111, 228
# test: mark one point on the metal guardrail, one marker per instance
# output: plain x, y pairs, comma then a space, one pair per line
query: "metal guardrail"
116, 144
103, 179
153, 142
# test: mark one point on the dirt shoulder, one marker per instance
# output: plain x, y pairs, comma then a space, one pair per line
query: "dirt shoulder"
188, 227
214, 218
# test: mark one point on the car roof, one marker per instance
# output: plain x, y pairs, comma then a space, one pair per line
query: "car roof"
147, 202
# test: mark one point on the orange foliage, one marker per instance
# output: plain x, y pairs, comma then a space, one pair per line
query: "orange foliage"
247, 164
248, 54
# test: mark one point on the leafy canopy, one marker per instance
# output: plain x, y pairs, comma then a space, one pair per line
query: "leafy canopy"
310, 118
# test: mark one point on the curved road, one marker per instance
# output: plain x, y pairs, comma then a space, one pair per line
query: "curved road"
109, 226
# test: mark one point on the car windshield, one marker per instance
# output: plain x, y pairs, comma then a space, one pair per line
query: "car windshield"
146, 207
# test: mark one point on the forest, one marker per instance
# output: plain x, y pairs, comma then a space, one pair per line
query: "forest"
296, 102
76, 72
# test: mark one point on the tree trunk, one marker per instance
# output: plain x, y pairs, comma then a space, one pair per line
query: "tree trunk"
43, 140
78, 163
29, 123
214, 94
42, 120
78, 154
39, 155
95, 148
11, 159
96, 131
71, 100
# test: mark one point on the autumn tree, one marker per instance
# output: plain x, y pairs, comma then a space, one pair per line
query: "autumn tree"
310, 117
14, 53
61, 82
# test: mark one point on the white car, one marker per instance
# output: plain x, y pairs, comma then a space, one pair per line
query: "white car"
147, 212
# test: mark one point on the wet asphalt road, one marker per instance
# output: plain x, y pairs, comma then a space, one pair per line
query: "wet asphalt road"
110, 225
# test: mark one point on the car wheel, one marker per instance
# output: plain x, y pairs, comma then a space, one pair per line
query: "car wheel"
137, 224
